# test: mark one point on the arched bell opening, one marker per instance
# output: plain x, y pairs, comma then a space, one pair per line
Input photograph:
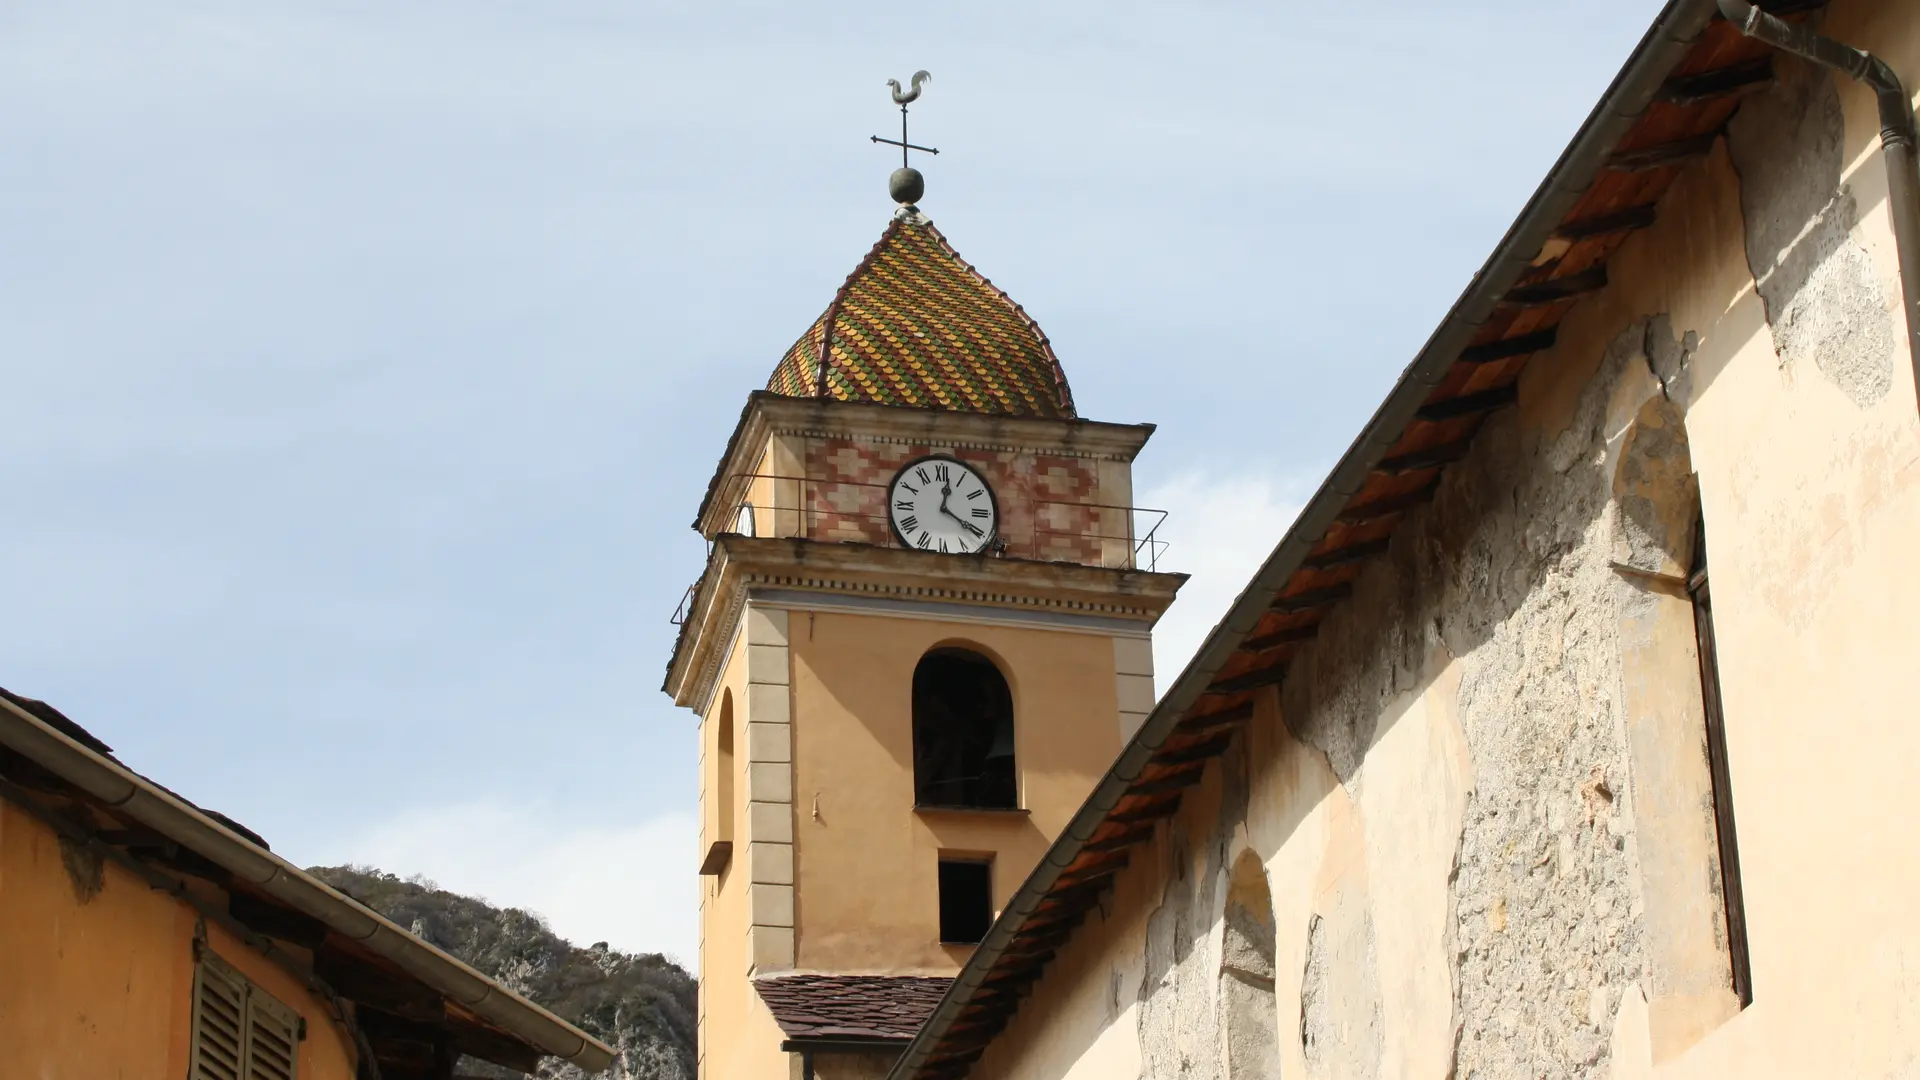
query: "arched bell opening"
963, 733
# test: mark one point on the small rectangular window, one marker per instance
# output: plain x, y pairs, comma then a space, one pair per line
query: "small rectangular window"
239, 1031
966, 901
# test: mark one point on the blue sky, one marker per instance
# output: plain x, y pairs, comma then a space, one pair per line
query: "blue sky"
365, 362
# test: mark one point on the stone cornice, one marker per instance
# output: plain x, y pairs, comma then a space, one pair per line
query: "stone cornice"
740, 565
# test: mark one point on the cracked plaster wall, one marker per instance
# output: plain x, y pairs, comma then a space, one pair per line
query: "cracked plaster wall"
1503, 591
1447, 816
1826, 304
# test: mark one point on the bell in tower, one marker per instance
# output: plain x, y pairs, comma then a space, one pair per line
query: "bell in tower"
922, 634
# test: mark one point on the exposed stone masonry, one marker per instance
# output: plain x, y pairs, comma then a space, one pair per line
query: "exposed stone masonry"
1509, 571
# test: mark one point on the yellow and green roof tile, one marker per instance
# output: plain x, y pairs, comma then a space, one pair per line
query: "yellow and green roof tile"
916, 325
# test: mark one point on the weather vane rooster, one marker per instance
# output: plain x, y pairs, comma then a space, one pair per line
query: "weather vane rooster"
920, 78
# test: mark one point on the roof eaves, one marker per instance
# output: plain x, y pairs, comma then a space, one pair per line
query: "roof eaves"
1664, 45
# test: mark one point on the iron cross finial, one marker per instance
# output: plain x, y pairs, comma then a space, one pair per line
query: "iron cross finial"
906, 183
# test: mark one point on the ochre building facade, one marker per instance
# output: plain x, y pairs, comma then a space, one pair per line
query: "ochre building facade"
144, 938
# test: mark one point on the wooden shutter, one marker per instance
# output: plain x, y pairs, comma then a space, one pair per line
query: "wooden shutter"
219, 1022
273, 1038
239, 1031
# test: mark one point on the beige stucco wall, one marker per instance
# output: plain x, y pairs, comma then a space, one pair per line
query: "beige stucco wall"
101, 985
1457, 815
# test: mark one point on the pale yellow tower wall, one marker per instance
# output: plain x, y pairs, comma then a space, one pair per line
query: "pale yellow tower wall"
866, 862
738, 1037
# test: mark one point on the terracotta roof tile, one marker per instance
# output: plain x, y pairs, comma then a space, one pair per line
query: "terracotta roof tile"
851, 1006
916, 325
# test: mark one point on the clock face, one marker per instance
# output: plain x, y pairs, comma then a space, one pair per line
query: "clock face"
940, 504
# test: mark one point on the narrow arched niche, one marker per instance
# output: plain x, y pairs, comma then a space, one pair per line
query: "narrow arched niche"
1657, 493
963, 732
723, 786
1692, 922
718, 789
1249, 1021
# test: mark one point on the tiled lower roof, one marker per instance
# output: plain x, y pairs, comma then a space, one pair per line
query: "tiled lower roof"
851, 1006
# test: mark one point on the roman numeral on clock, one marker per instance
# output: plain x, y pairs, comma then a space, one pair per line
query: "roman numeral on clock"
979, 511
908, 524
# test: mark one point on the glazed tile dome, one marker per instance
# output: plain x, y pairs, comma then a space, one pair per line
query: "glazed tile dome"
916, 325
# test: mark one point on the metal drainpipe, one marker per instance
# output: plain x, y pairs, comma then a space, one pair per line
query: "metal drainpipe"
1897, 137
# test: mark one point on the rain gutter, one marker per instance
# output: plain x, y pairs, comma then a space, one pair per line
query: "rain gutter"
1897, 137
128, 793
1633, 89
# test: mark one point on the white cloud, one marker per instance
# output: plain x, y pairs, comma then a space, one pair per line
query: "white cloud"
628, 883
1220, 528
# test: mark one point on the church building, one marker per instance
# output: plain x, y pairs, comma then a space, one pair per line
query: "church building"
922, 633
1567, 732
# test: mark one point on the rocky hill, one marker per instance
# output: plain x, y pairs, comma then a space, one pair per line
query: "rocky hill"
641, 1005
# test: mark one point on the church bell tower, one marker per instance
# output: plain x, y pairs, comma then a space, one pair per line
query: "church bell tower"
921, 636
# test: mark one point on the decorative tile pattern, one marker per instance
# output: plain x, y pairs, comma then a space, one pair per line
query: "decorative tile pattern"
851, 1006
917, 325
1043, 500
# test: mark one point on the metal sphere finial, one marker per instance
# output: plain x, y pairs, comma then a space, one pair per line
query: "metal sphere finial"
906, 185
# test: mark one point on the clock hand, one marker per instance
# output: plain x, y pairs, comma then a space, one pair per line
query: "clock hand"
946, 492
